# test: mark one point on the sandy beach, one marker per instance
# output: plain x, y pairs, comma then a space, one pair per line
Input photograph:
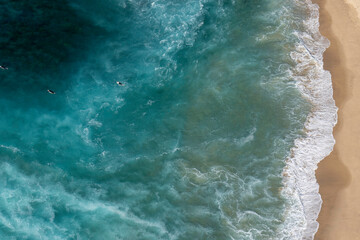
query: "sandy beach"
339, 174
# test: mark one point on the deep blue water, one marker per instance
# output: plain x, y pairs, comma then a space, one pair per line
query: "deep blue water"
193, 145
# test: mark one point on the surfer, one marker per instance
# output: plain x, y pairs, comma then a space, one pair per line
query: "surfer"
51, 91
3, 67
120, 83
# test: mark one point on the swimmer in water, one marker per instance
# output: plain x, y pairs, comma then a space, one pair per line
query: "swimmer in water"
51, 91
3, 67
119, 83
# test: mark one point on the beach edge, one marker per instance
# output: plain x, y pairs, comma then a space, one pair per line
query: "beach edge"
337, 172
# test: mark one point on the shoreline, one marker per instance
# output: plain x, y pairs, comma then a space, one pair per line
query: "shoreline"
339, 174
309, 150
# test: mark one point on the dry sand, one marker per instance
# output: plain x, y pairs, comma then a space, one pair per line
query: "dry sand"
339, 174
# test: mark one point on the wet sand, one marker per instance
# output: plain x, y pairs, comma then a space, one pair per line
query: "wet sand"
339, 174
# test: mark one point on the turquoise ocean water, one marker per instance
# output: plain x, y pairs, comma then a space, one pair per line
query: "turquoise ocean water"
224, 113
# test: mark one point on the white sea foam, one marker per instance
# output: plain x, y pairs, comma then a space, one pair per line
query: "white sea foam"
13, 149
315, 84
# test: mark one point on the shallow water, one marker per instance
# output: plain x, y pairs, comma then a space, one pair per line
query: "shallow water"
193, 146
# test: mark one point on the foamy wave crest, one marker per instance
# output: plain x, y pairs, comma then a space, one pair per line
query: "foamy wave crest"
316, 86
